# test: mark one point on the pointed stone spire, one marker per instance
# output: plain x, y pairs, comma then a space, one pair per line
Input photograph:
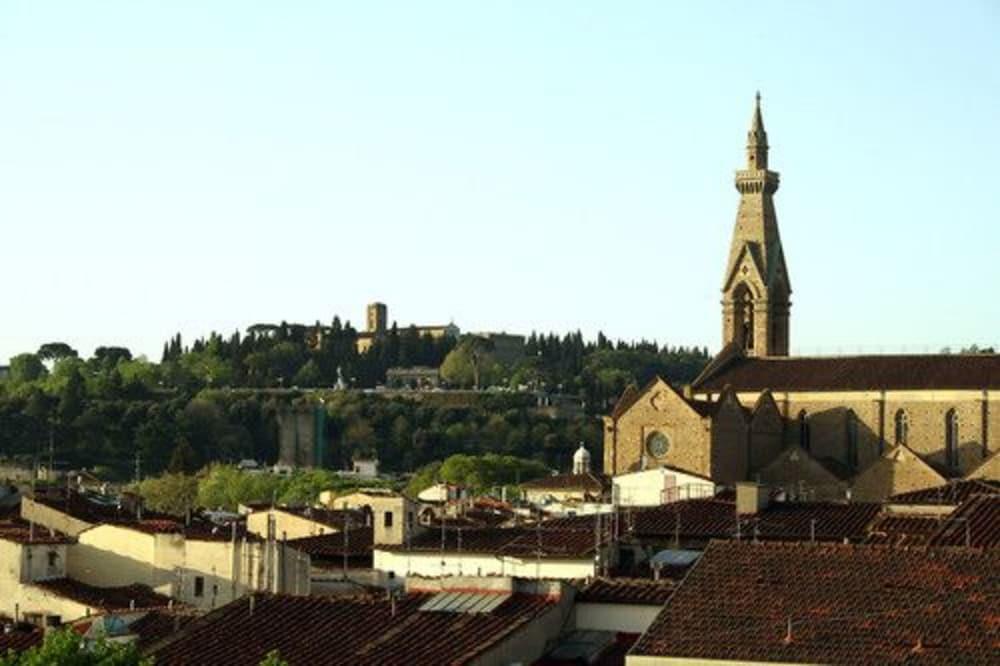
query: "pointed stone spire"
757, 139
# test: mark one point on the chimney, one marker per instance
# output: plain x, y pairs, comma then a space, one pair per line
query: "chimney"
750, 497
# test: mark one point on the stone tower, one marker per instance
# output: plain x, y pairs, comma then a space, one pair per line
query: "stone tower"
377, 318
756, 290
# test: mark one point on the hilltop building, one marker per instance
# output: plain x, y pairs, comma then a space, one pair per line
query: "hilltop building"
920, 419
377, 325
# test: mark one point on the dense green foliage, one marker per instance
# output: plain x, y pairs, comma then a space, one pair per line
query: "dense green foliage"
67, 649
476, 473
218, 399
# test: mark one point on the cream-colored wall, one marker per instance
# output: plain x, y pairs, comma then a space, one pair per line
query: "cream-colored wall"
649, 488
109, 555
289, 525
468, 564
404, 514
32, 599
38, 513
625, 618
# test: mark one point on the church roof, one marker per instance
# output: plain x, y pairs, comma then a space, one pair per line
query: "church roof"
854, 373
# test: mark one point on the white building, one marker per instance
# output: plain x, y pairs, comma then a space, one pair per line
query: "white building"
661, 485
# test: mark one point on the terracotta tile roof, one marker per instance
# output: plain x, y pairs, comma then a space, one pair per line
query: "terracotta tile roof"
18, 636
513, 541
20, 531
825, 603
80, 506
953, 492
156, 625
331, 546
355, 631
626, 591
335, 518
854, 373
715, 518
105, 598
975, 523
588, 482
903, 530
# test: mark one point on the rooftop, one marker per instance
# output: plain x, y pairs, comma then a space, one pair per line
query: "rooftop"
107, 599
975, 523
826, 603
626, 591
854, 373
329, 546
22, 532
360, 630
588, 482
953, 492
18, 636
512, 541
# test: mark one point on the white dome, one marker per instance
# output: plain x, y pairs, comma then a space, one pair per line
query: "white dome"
581, 460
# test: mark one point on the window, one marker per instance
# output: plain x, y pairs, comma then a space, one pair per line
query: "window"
53, 559
804, 430
852, 439
199, 586
951, 439
902, 427
657, 444
388, 519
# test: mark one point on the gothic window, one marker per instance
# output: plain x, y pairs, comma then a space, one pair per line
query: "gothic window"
951, 439
657, 445
852, 439
743, 302
902, 427
804, 430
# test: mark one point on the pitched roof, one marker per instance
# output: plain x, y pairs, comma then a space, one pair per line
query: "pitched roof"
826, 603
715, 518
976, 523
22, 532
588, 481
953, 492
360, 630
903, 530
512, 541
330, 546
105, 598
626, 591
18, 636
854, 373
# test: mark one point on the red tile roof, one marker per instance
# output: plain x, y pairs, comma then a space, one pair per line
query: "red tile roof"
855, 373
975, 523
331, 546
825, 603
513, 541
953, 492
18, 636
354, 631
21, 531
107, 599
588, 482
715, 518
156, 625
626, 591
903, 530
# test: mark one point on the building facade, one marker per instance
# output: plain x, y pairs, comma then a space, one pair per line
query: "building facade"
754, 402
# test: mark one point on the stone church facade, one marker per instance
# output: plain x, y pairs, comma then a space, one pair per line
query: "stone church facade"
820, 423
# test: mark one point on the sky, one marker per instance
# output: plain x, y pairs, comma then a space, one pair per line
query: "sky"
196, 166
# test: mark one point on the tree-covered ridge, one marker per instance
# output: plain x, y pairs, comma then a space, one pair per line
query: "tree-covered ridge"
218, 398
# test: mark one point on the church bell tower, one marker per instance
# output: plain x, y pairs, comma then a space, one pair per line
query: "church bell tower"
755, 289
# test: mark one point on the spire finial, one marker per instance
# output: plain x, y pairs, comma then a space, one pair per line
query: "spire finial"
758, 99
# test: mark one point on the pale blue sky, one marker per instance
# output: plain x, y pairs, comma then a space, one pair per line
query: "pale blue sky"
527, 165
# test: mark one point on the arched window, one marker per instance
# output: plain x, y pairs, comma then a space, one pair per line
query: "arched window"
902, 427
852, 439
951, 439
743, 316
804, 430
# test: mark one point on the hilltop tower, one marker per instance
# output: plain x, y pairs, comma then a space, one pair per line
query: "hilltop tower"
755, 288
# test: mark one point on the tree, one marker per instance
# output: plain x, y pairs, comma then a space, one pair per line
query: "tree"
56, 351
71, 400
26, 368
183, 460
66, 648
273, 658
175, 494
